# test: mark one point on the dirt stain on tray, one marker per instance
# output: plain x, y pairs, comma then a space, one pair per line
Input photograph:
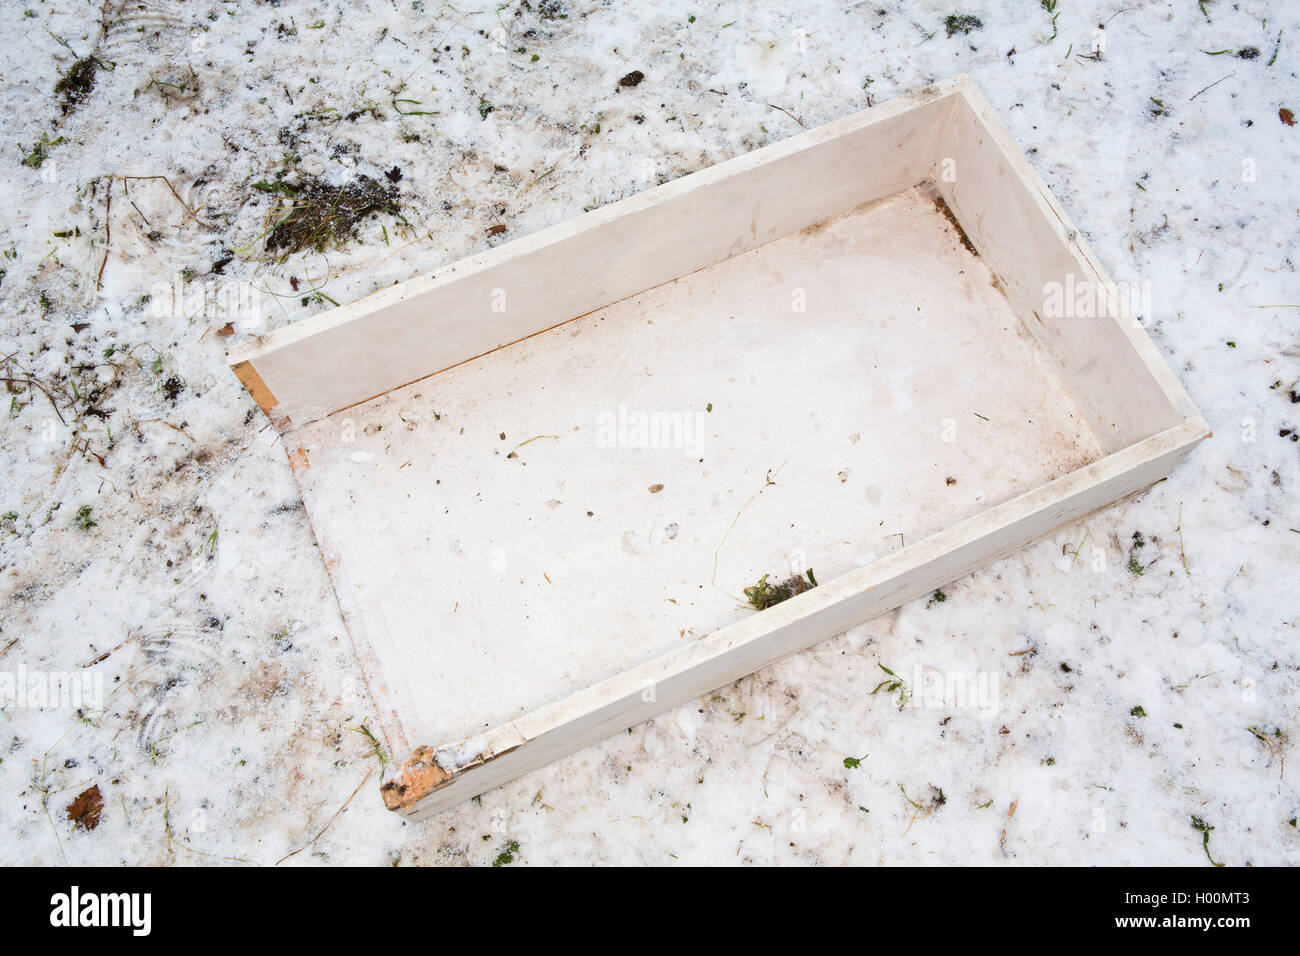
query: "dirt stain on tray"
946, 211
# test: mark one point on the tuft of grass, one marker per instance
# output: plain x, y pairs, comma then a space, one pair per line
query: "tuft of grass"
933, 803
34, 157
1203, 828
1137, 711
962, 23
83, 519
763, 595
1050, 7
315, 215
507, 856
75, 86
893, 684
365, 731
1136, 567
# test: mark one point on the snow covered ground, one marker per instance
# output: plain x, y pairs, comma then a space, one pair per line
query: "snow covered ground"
153, 539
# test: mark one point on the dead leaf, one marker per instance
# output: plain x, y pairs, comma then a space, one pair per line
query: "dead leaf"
655, 489
1286, 116
85, 810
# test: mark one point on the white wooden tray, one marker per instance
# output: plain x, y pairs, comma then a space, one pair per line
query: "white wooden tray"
542, 478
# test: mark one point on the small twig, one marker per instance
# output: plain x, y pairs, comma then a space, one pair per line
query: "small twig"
192, 214
767, 483
108, 234
1212, 85
47, 792
177, 841
535, 182
328, 822
787, 113
104, 656
1182, 552
145, 421
139, 213
533, 439
8, 380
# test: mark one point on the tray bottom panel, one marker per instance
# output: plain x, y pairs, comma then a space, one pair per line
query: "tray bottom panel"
813, 403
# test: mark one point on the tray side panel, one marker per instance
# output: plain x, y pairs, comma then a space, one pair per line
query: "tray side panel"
417, 328
423, 787
1110, 367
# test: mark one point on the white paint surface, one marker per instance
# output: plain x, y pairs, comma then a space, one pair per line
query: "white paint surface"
492, 591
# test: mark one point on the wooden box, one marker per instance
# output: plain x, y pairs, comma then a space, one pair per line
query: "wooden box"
543, 477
